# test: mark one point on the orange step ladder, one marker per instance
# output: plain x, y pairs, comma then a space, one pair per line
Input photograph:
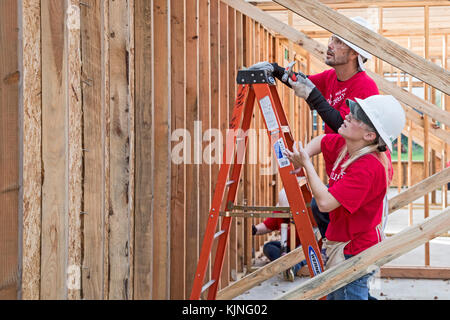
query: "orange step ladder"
259, 85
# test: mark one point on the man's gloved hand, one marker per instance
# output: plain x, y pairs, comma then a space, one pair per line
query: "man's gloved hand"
302, 87
254, 230
264, 65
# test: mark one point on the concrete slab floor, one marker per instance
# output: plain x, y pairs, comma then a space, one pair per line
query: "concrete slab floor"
383, 288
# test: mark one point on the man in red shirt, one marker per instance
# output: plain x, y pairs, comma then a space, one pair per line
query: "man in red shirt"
327, 92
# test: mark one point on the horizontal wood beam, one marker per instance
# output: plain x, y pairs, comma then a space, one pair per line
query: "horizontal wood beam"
370, 259
414, 272
317, 50
386, 32
372, 42
410, 99
419, 189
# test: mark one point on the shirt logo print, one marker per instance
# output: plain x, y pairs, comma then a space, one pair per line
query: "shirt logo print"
335, 177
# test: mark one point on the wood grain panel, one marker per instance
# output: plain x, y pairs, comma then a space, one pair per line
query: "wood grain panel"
54, 151
95, 91
9, 147
32, 145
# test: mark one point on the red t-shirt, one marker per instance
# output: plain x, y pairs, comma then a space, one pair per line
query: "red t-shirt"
275, 224
360, 190
336, 92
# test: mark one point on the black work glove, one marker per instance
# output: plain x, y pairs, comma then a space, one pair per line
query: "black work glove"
253, 230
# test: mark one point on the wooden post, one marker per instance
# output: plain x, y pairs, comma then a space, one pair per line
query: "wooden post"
95, 144
203, 116
399, 149
223, 107
410, 206
379, 69
10, 148
433, 156
121, 239
54, 151
191, 113
426, 129
215, 100
410, 146
232, 243
162, 160
144, 139
248, 167
75, 152
32, 140
445, 100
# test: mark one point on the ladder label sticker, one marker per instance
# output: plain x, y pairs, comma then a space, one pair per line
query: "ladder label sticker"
315, 264
269, 115
279, 147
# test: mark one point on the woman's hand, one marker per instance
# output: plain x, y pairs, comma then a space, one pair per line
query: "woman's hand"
299, 157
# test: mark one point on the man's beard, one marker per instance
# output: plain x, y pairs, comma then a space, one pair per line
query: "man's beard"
336, 62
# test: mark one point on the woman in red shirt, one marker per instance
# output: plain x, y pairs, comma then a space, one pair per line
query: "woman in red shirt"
358, 180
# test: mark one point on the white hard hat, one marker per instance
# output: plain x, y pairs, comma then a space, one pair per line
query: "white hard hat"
386, 115
362, 53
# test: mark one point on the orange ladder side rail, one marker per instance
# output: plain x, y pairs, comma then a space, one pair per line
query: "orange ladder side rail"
242, 104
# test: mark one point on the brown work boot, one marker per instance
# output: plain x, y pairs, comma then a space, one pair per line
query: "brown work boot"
288, 275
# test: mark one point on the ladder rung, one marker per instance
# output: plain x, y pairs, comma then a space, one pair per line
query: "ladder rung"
248, 214
218, 234
208, 284
259, 208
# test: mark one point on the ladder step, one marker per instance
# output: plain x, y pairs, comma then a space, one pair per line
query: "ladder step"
259, 208
218, 234
259, 214
207, 285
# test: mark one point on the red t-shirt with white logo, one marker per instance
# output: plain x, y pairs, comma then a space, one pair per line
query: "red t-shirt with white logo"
360, 190
336, 92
